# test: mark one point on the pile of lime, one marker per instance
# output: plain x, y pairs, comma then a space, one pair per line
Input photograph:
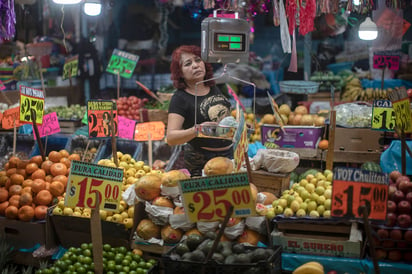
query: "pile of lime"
115, 260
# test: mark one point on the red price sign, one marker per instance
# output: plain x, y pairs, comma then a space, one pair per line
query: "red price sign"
100, 116
209, 198
88, 182
356, 188
386, 61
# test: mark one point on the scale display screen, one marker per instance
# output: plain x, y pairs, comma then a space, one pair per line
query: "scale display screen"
229, 42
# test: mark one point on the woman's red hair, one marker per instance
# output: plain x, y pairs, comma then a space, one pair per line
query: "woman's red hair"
176, 68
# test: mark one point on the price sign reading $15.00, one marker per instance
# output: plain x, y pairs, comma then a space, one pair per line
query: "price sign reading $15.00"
70, 67
100, 115
383, 116
355, 188
122, 63
31, 99
88, 182
209, 198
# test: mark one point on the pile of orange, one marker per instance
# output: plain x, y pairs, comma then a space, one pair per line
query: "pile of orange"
29, 187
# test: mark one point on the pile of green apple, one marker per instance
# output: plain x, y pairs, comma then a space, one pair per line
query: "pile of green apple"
311, 196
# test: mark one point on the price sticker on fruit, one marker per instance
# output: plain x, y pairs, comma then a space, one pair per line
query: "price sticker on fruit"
31, 99
354, 189
70, 67
383, 116
209, 198
101, 114
88, 183
122, 63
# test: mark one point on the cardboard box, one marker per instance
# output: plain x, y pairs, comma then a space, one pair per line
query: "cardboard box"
293, 137
357, 139
275, 183
326, 239
21, 234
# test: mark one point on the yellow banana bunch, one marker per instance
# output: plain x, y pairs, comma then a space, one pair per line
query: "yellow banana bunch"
309, 268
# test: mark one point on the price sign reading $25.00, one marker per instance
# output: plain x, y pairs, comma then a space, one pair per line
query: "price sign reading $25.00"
383, 116
122, 63
100, 115
209, 198
70, 67
31, 99
88, 182
355, 188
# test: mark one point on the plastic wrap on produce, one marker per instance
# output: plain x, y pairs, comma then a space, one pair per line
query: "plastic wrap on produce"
354, 115
256, 223
158, 214
204, 227
129, 196
276, 160
234, 231
172, 192
180, 221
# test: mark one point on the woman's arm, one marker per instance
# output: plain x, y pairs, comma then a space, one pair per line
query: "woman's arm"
175, 134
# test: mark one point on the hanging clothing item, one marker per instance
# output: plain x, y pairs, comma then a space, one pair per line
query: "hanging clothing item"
284, 29
293, 66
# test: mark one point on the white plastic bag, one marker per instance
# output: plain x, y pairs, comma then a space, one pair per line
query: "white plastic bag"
276, 160
158, 214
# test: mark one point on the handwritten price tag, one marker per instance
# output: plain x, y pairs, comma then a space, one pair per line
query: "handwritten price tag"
354, 188
11, 118
386, 61
70, 67
2, 86
50, 125
122, 63
100, 115
403, 115
383, 116
31, 98
209, 198
155, 129
126, 128
87, 181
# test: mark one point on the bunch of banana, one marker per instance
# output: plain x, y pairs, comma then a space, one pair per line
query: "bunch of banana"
368, 94
353, 89
310, 268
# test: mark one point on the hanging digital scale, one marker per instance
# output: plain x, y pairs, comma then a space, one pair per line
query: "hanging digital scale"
225, 40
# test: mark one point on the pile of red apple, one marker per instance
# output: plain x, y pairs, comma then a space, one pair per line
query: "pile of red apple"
129, 107
394, 239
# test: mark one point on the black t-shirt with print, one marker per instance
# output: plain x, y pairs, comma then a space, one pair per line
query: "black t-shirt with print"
212, 107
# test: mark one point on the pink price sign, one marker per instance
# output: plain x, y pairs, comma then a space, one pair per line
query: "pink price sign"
126, 128
50, 125
381, 61
2, 86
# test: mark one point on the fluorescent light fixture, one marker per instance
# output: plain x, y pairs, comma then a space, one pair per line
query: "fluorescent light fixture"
356, 2
67, 2
92, 8
368, 30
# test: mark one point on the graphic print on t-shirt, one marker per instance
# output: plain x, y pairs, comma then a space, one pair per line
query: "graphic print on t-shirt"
215, 108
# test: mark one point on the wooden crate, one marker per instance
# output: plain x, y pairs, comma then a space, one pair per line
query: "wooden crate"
275, 183
68, 126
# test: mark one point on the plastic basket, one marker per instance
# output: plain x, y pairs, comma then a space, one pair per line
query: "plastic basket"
123, 145
78, 144
271, 266
299, 87
24, 144
54, 142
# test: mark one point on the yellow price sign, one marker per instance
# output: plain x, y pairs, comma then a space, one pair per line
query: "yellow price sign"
403, 115
209, 198
88, 182
383, 116
31, 99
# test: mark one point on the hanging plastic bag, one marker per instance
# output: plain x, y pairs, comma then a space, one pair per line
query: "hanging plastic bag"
391, 158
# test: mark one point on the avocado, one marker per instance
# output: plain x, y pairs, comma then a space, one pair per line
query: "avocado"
231, 259
187, 256
258, 254
269, 253
218, 257
193, 241
243, 258
226, 248
182, 248
197, 256
238, 248
210, 235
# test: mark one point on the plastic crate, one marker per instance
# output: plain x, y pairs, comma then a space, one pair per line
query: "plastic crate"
271, 266
24, 144
131, 147
79, 143
54, 142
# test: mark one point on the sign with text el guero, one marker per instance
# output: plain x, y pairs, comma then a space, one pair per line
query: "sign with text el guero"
88, 182
355, 188
209, 198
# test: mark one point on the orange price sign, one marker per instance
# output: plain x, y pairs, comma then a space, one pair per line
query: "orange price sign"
155, 129
209, 198
87, 181
355, 188
10, 118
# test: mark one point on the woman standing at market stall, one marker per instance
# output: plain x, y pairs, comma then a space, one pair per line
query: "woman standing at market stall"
191, 77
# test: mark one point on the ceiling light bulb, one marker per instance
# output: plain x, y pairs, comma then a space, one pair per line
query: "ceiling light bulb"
368, 30
67, 2
92, 9
356, 2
